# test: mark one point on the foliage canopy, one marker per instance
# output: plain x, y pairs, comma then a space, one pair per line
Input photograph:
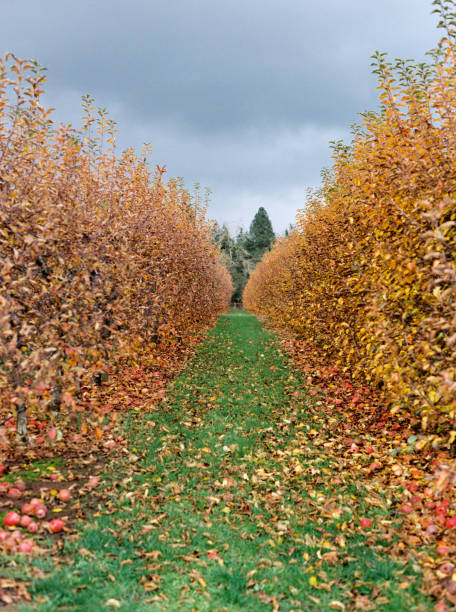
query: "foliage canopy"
370, 272
102, 262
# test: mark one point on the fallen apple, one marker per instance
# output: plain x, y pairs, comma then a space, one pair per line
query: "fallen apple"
11, 543
14, 493
441, 509
27, 508
451, 522
25, 520
365, 522
26, 546
64, 494
40, 511
56, 525
32, 527
11, 519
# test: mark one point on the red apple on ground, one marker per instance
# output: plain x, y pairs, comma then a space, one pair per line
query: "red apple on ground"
40, 511
26, 546
56, 525
451, 522
14, 493
32, 527
11, 543
25, 520
27, 508
11, 519
365, 522
441, 509
64, 494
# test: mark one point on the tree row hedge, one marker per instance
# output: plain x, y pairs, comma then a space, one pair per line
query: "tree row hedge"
370, 273
102, 262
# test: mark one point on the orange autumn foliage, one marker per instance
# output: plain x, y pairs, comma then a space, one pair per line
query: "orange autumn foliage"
102, 263
370, 272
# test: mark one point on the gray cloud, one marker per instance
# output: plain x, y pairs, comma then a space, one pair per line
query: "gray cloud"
242, 96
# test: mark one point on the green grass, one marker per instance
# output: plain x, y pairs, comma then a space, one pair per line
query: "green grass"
230, 525
34, 470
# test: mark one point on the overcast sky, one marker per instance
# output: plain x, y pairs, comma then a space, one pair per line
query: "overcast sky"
242, 96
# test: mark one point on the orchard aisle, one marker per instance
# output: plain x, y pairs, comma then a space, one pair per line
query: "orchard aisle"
228, 505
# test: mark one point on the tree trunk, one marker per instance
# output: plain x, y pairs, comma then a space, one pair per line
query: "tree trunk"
21, 432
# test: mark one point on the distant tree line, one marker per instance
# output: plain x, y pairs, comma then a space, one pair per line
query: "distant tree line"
243, 251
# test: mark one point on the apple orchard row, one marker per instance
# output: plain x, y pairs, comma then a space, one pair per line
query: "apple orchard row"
103, 263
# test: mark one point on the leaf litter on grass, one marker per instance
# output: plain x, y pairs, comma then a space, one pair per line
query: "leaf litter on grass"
230, 497
377, 448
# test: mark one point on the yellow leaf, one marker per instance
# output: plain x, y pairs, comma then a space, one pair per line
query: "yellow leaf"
114, 603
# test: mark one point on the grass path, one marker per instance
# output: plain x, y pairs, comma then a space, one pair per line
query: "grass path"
228, 505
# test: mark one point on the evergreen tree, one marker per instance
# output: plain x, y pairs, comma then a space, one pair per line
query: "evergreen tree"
261, 235
242, 253
235, 256
241, 265
222, 237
